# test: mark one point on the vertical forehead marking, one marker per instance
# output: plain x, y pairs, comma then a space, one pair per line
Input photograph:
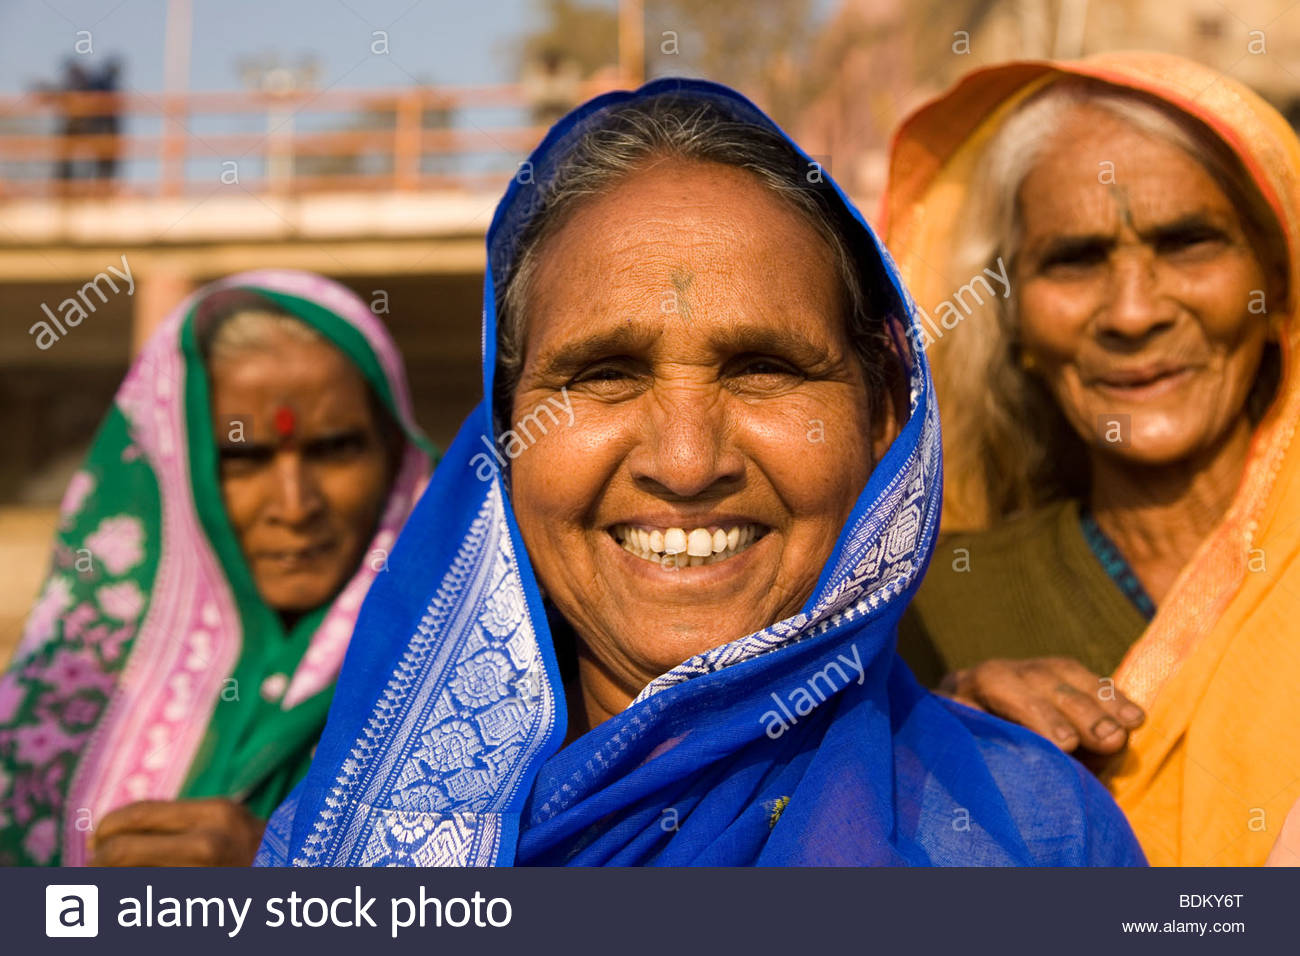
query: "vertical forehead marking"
1125, 213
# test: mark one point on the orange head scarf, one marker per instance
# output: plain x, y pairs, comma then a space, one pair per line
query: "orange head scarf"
1209, 778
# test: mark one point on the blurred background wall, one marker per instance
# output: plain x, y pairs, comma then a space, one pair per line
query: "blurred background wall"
369, 140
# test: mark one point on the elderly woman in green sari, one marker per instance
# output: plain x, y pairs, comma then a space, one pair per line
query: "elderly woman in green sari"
238, 500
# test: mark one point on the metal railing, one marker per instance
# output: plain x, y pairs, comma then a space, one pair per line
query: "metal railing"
134, 143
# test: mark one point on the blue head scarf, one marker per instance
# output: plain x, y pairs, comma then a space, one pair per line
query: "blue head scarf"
808, 742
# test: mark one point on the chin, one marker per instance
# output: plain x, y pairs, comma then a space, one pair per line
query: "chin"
1154, 452
294, 605
296, 600
661, 651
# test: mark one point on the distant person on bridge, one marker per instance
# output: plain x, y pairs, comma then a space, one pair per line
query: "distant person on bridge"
75, 79
73, 123
107, 80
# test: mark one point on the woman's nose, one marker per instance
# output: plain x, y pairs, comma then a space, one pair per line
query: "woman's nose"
687, 448
1137, 306
297, 499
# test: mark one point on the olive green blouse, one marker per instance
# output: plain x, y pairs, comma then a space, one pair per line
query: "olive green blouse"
1031, 587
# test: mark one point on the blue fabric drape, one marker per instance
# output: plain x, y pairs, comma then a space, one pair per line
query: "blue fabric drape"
806, 743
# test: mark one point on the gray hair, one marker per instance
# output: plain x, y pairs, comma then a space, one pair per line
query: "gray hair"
1002, 426
672, 126
236, 322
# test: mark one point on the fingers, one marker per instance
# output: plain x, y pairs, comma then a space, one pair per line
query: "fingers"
1056, 697
170, 816
1102, 721
213, 832
1103, 690
1015, 691
200, 848
1095, 728
147, 815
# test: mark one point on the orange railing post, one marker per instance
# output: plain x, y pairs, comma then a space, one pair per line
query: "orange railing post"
171, 174
406, 140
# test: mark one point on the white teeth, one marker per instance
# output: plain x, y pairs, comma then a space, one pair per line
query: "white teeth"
681, 548
700, 543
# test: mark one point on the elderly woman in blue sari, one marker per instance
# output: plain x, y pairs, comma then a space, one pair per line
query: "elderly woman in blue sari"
645, 613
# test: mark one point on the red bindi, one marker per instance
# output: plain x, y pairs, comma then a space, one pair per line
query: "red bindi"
284, 421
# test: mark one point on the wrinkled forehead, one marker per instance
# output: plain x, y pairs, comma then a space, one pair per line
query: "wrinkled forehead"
1098, 164
680, 224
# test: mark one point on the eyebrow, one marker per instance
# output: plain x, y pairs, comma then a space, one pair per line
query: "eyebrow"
780, 340
1076, 243
572, 355
1189, 223
250, 446
736, 338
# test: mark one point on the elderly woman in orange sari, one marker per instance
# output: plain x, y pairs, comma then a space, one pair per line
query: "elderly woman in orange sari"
1106, 251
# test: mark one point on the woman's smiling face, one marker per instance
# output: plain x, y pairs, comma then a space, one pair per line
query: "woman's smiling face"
697, 325
1140, 296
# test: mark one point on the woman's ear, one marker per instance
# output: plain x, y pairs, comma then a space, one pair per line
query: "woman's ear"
890, 408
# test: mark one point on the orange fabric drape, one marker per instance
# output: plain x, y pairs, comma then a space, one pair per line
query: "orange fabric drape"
1210, 777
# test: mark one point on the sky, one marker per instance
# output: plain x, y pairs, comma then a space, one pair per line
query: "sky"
438, 41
